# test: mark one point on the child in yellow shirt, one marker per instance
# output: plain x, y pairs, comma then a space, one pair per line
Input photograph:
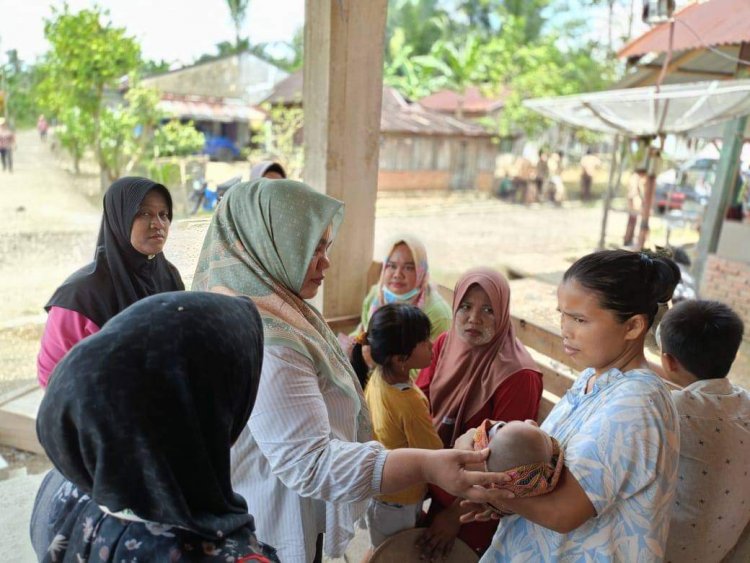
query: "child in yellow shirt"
399, 340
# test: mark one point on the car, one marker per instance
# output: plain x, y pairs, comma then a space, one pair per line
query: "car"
690, 182
220, 148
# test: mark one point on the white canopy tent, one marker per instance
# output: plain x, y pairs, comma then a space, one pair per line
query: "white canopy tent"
694, 109
639, 112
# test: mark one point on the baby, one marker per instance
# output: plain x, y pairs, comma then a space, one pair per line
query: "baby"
531, 457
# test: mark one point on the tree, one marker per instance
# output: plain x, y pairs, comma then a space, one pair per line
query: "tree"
403, 73
177, 139
149, 68
238, 12
75, 133
421, 22
88, 56
281, 138
487, 17
457, 66
17, 80
127, 131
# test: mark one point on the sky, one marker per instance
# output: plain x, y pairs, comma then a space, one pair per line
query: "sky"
178, 31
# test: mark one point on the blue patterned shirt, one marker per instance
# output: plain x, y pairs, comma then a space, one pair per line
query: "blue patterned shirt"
621, 443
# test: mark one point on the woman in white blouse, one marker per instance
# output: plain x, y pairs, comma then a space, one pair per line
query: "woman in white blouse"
306, 463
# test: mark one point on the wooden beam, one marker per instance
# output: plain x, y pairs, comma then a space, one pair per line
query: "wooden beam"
699, 74
342, 95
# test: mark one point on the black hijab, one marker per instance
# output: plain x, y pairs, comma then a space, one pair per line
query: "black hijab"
260, 169
142, 414
119, 275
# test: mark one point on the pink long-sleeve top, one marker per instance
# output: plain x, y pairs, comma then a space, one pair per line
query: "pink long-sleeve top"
64, 329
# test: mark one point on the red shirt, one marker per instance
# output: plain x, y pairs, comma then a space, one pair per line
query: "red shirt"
516, 398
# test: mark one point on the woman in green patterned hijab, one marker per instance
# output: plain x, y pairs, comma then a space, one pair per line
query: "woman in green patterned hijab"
306, 462
269, 241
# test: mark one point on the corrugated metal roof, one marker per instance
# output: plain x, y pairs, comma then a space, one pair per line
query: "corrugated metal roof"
400, 116
397, 116
209, 109
700, 25
288, 91
472, 101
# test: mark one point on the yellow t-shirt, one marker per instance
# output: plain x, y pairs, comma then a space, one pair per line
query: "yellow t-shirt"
401, 419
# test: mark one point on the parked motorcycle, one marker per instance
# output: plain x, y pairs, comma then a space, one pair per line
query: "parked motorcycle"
207, 196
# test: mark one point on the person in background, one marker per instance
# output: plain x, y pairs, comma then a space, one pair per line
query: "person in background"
541, 175
268, 169
555, 186
129, 264
138, 422
42, 127
636, 185
699, 341
590, 164
7, 145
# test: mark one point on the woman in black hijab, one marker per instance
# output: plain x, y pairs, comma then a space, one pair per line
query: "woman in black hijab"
139, 419
128, 265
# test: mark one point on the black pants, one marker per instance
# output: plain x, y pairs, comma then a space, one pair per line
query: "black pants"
7, 157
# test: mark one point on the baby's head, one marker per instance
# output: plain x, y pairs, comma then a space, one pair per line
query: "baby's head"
518, 443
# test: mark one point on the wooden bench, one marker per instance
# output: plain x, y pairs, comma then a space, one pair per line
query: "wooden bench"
18, 409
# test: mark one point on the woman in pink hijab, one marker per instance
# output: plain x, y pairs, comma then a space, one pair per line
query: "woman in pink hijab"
479, 370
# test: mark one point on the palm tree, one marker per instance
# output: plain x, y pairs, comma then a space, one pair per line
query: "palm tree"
238, 10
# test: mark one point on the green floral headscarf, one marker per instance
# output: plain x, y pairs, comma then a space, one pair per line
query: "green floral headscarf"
260, 242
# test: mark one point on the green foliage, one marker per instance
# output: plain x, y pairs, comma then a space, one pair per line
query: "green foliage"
238, 12
117, 140
503, 46
402, 72
457, 66
422, 23
280, 138
75, 133
149, 68
127, 130
177, 139
19, 79
87, 56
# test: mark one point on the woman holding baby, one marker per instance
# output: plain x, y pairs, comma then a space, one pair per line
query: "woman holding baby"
617, 426
479, 371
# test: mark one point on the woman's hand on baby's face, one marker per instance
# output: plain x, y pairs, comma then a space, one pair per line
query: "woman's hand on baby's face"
447, 469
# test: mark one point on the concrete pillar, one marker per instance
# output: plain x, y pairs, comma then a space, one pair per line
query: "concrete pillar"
343, 89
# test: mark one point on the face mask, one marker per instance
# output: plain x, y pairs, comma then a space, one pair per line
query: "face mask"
391, 297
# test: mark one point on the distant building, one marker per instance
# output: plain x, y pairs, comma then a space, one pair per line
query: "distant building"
420, 149
219, 95
472, 104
